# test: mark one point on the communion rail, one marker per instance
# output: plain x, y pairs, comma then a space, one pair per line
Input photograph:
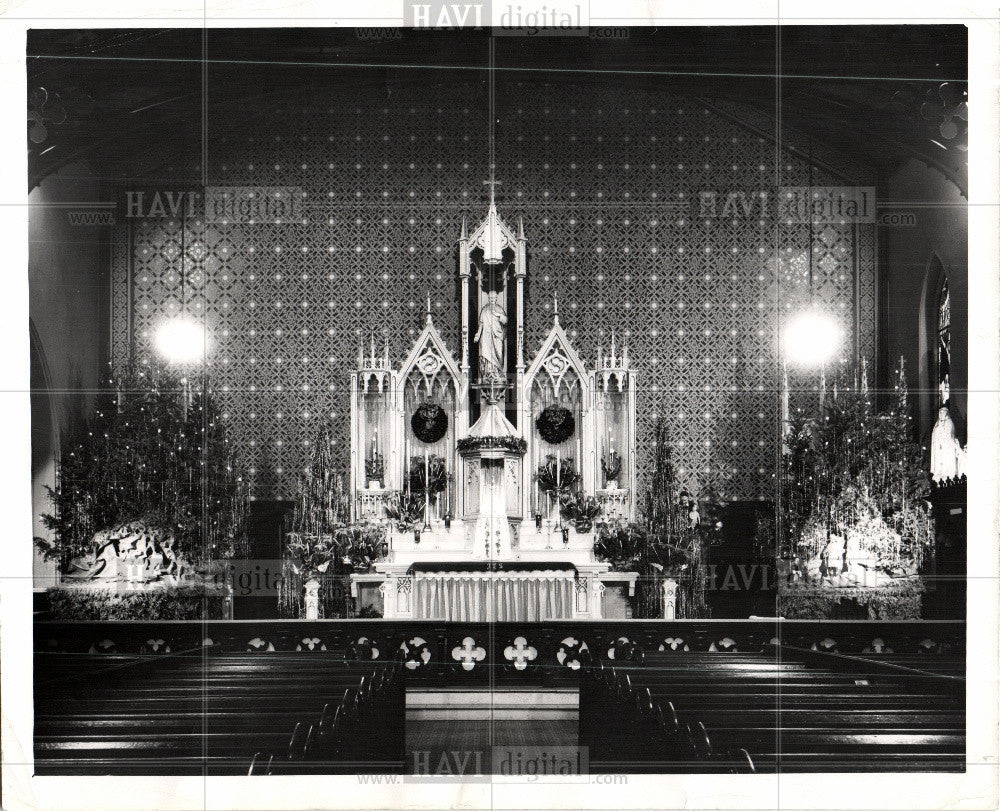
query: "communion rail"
510, 652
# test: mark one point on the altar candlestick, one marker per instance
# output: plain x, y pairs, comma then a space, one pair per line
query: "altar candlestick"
427, 489
406, 480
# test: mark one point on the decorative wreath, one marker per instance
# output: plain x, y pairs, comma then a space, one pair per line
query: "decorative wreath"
429, 423
555, 424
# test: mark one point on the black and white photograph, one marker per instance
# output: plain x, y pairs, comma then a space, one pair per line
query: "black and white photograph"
501, 406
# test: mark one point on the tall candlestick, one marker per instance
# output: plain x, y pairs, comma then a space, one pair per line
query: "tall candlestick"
406, 480
427, 489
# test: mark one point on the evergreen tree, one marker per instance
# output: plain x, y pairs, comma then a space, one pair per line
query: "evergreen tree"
852, 471
153, 454
659, 509
320, 506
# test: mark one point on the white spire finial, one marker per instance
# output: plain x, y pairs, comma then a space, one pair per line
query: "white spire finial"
373, 347
612, 347
428, 306
555, 304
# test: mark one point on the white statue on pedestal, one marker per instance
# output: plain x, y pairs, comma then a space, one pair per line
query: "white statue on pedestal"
947, 454
490, 337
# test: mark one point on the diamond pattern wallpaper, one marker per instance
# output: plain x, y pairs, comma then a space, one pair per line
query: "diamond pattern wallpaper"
650, 214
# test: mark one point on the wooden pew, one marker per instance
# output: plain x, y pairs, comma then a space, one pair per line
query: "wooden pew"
196, 713
769, 711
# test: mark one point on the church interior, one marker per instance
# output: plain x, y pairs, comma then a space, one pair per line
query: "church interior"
400, 393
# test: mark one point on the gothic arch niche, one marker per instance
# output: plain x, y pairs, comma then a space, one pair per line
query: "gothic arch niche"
430, 375
558, 377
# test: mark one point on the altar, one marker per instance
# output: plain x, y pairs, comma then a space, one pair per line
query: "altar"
490, 473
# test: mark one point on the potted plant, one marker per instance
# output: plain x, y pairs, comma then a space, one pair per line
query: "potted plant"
612, 467
310, 557
556, 476
620, 544
361, 546
404, 510
374, 471
580, 510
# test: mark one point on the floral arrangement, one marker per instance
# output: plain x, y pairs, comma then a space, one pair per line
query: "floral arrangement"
621, 544
436, 474
549, 481
360, 545
580, 509
612, 467
555, 424
375, 468
310, 555
429, 423
404, 510
477, 443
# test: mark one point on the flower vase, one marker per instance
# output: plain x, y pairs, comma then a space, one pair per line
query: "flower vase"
612, 484
312, 598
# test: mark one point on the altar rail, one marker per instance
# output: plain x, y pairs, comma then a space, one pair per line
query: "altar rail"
510, 651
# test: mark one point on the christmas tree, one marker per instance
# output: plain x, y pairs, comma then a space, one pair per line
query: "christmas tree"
321, 504
853, 508
674, 546
153, 454
321, 544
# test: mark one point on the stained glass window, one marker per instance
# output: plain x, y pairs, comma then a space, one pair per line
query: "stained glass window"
944, 344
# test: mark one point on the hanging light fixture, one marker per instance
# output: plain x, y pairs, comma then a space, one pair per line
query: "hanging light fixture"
181, 339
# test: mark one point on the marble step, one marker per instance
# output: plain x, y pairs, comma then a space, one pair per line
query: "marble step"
503, 704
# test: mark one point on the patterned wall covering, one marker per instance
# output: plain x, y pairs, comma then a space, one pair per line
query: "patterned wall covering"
610, 185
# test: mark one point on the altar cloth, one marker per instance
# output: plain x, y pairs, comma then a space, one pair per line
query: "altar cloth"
508, 596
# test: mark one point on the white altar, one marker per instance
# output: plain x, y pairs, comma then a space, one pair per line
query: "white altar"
446, 451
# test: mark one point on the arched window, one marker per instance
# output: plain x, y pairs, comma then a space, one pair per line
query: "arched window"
944, 343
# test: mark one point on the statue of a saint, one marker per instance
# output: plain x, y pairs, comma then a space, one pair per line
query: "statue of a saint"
490, 337
947, 454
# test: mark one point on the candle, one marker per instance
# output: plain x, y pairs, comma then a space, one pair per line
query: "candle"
427, 488
406, 451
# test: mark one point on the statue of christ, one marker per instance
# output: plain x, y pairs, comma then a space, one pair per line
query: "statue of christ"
490, 337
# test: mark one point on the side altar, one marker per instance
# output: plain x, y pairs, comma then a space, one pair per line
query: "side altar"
489, 472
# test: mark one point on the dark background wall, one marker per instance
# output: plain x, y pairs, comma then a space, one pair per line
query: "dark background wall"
913, 259
610, 184
68, 265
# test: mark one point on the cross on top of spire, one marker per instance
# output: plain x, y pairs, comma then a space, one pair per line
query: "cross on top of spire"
492, 183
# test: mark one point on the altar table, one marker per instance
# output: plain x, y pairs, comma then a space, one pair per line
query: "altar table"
497, 596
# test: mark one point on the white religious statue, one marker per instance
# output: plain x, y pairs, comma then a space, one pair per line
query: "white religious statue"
947, 454
833, 555
490, 337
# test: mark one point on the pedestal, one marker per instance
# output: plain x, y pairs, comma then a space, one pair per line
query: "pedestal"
669, 599
312, 599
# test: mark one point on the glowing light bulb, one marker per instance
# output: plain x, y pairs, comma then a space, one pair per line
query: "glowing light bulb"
181, 340
811, 338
